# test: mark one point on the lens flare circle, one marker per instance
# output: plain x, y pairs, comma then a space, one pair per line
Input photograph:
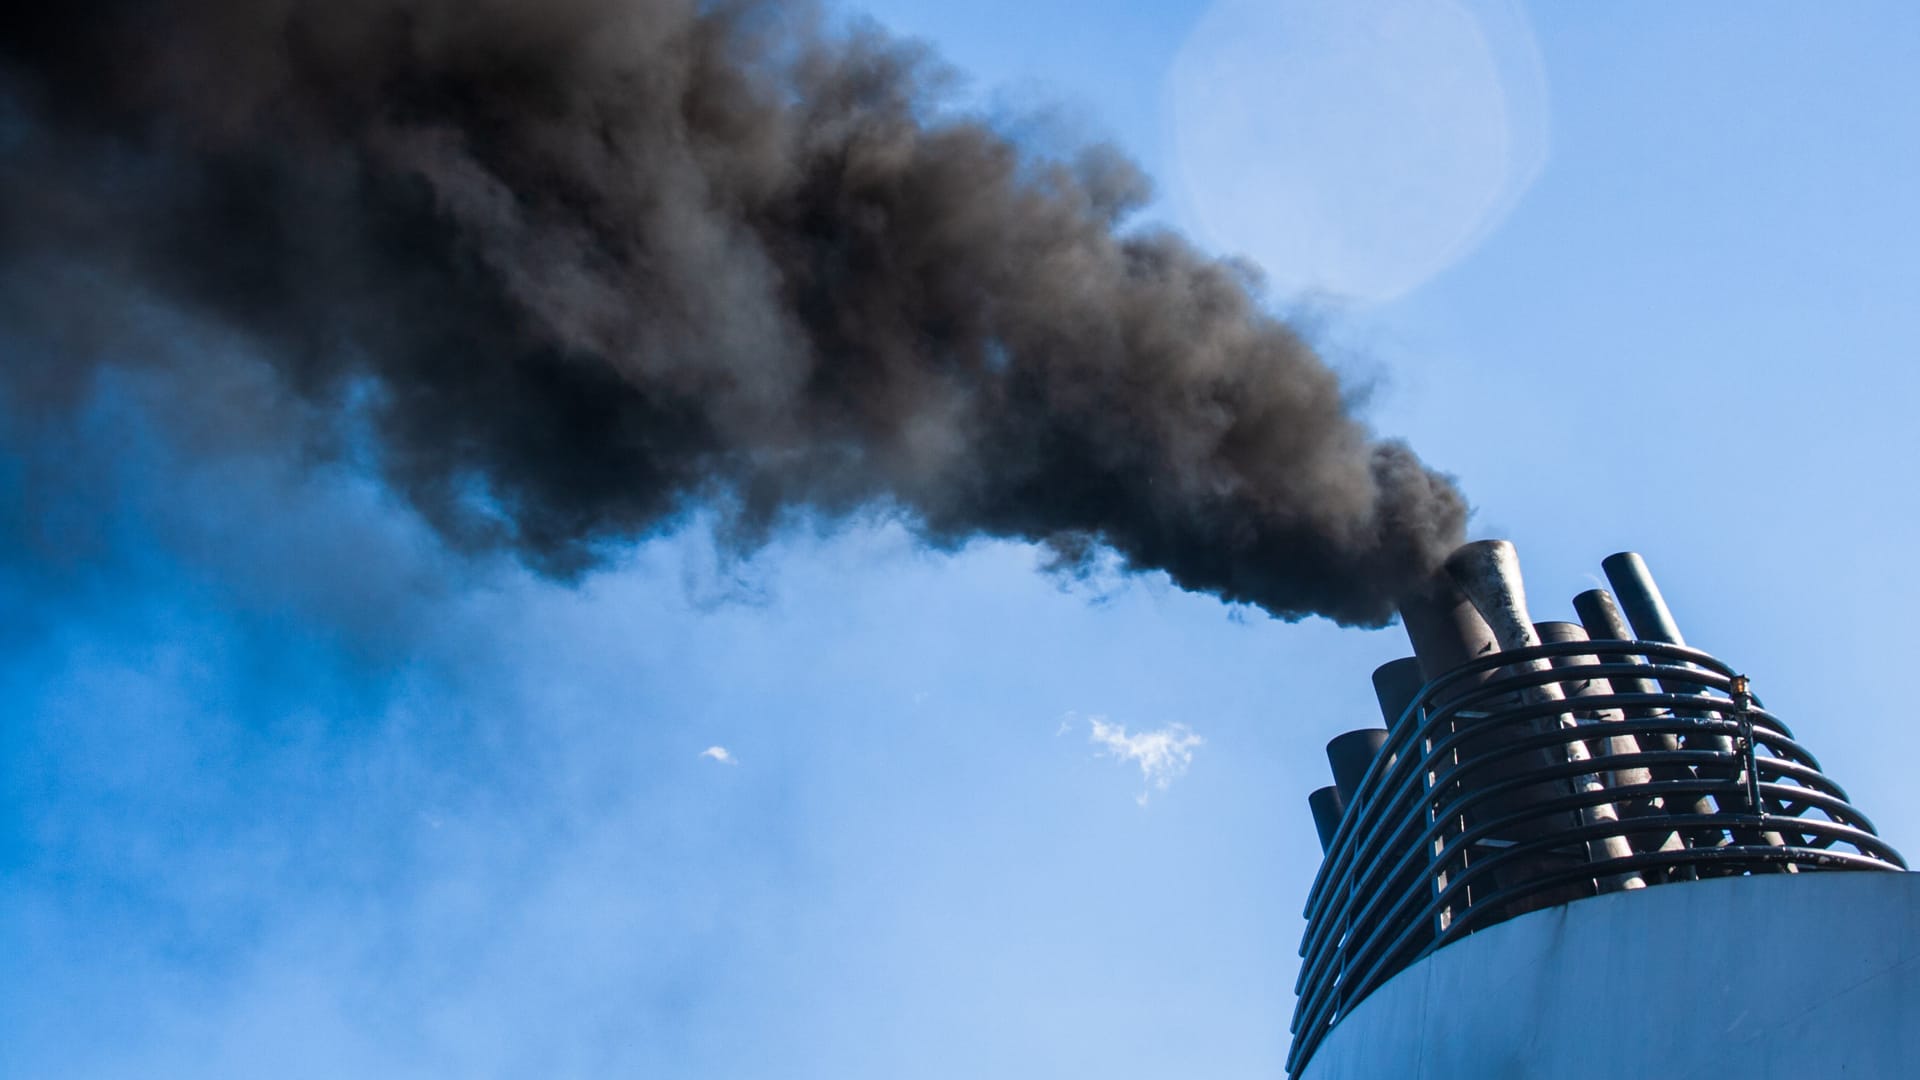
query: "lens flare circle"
1355, 150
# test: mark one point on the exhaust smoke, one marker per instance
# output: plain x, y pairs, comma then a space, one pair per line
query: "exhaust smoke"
598, 263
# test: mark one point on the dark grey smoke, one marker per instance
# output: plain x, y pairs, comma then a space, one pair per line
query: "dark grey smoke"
599, 262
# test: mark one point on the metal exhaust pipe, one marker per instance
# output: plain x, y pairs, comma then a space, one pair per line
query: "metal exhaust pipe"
1604, 622
1444, 628
1623, 780
1488, 572
1646, 609
1446, 632
1602, 619
1558, 633
1328, 808
1350, 754
1396, 684
1640, 598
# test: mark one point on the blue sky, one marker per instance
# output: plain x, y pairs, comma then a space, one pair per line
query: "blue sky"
287, 790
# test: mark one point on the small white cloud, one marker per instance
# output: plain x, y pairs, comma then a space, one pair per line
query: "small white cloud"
720, 754
1162, 755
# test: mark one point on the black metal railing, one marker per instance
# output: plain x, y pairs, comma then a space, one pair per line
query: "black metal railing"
1538, 776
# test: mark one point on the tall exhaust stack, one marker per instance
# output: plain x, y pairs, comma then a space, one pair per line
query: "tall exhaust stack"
1488, 572
1491, 857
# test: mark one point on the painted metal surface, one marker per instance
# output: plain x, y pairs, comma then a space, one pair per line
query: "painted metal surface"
1349, 756
1395, 684
1424, 855
1327, 806
1604, 622
1545, 764
1641, 598
1751, 977
1488, 572
1444, 628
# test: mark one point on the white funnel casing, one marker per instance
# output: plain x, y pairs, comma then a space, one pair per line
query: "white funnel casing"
1488, 573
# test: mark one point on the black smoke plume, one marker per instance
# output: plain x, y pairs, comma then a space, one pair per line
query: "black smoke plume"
596, 263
